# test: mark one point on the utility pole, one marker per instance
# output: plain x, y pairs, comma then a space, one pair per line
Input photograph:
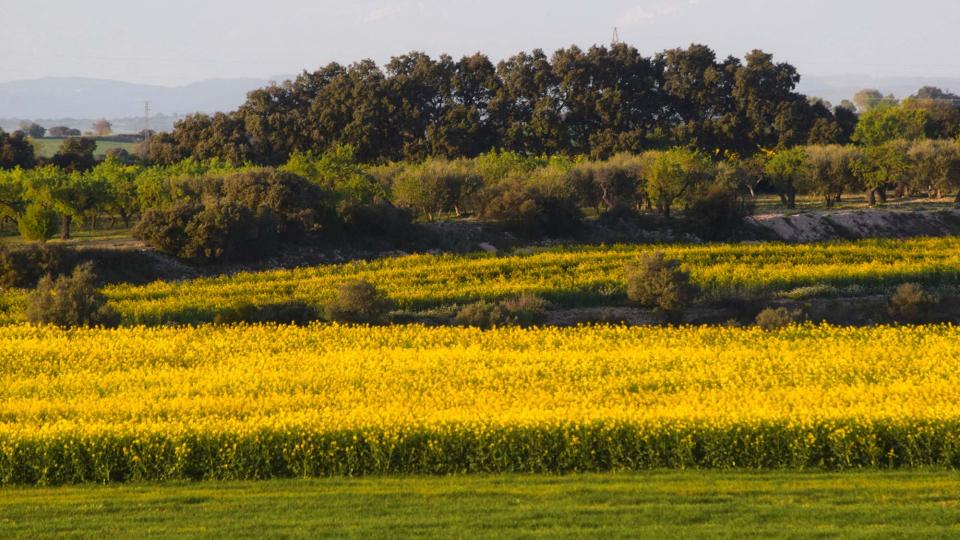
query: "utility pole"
146, 121
146, 129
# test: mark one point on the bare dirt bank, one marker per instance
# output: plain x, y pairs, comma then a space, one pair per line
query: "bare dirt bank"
856, 224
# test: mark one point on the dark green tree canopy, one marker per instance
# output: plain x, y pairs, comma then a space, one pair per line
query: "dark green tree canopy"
594, 102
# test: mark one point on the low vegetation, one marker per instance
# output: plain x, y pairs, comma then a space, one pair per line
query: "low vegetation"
658, 282
912, 304
777, 318
359, 301
70, 301
525, 310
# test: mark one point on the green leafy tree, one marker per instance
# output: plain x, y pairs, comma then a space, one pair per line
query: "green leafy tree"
15, 151
13, 192
829, 171
675, 174
33, 129
786, 171
76, 154
73, 194
880, 166
38, 223
337, 170
436, 187
882, 124
935, 166
121, 185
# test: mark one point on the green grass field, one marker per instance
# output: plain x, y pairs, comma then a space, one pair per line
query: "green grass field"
685, 504
47, 147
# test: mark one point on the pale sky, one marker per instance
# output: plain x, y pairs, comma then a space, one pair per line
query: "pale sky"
173, 42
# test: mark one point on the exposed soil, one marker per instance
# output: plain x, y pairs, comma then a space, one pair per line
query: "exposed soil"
856, 224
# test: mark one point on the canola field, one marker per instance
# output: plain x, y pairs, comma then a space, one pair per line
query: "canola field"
567, 276
263, 401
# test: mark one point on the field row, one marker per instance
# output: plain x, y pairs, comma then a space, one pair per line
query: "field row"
268, 401
569, 277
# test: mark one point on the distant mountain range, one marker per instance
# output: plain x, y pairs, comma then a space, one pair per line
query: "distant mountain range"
77, 102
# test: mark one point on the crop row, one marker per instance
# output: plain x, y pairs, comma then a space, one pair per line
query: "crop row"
275, 401
567, 276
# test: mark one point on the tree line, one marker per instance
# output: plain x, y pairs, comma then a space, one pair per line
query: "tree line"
595, 102
184, 207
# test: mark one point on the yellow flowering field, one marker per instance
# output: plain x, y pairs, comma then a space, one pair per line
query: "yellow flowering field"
284, 401
568, 276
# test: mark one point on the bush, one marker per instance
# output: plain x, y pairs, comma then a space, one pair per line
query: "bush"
70, 301
655, 281
22, 267
436, 187
775, 318
911, 303
719, 214
293, 312
379, 219
38, 223
238, 217
527, 212
525, 310
293, 206
227, 231
359, 302
165, 228
483, 314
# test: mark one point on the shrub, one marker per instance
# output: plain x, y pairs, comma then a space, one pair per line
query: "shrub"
38, 223
290, 204
483, 314
775, 318
359, 302
165, 228
911, 303
379, 219
238, 217
293, 312
227, 231
526, 211
655, 281
436, 187
718, 214
70, 301
22, 267
525, 310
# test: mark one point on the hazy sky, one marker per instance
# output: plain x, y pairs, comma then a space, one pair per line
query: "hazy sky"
178, 41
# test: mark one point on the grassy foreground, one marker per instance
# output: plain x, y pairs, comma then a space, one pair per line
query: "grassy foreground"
654, 505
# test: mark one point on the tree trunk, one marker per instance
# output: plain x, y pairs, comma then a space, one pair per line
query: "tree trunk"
871, 197
828, 199
882, 194
65, 226
791, 200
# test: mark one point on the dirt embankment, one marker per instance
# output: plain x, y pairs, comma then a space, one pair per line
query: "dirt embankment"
856, 224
